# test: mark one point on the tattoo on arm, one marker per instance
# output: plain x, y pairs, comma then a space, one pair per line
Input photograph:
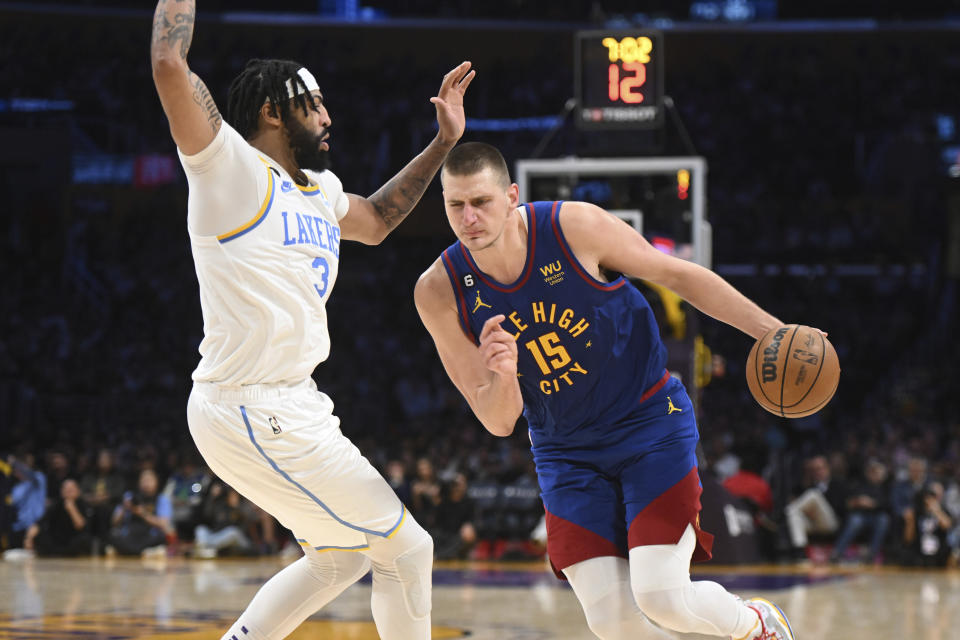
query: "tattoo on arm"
173, 26
394, 200
201, 95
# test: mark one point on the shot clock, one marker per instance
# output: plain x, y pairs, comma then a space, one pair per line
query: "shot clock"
619, 79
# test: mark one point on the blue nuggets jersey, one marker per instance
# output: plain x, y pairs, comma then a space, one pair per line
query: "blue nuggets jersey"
589, 352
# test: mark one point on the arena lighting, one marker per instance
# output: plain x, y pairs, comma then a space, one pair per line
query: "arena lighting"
683, 184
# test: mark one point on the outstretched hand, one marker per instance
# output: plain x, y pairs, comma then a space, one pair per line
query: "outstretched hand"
449, 103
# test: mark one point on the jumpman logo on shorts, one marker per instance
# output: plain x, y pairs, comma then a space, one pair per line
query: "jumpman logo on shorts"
480, 303
671, 408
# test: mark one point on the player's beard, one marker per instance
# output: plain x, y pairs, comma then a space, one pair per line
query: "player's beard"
306, 146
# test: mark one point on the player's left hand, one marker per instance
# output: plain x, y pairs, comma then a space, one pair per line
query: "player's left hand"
449, 103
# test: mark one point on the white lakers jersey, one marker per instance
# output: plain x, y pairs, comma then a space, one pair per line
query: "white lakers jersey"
263, 285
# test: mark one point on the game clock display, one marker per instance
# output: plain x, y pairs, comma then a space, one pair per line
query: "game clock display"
619, 79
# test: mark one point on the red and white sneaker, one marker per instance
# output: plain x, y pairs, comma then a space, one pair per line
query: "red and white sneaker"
773, 624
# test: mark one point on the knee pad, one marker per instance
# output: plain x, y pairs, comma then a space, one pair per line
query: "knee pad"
407, 558
415, 568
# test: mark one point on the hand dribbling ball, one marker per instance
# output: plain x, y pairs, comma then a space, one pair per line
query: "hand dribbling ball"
793, 371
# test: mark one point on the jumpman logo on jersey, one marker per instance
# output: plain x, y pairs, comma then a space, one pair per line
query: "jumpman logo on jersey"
671, 408
480, 303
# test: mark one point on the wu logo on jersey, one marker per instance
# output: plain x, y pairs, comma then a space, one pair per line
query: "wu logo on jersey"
274, 424
552, 273
551, 268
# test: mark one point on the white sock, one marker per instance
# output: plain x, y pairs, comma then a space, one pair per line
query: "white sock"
748, 625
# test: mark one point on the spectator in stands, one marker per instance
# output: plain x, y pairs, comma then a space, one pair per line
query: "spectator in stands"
65, 528
184, 489
951, 502
817, 508
397, 479
28, 499
867, 508
454, 534
7, 513
904, 494
223, 523
926, 528
726, 462
143, 520
102, 490
425, 494
263, 531
58, 469
748, 484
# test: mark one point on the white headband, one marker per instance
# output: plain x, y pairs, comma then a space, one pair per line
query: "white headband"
308, 80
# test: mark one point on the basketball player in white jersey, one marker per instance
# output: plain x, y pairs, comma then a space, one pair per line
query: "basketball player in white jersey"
265, 220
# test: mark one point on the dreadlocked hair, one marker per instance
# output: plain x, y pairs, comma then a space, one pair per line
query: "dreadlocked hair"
264, 81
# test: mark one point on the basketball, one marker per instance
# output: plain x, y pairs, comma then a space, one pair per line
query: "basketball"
793, 371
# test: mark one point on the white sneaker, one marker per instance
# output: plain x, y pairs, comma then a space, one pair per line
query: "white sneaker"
773, 624
159, 551
204, 553
16, 555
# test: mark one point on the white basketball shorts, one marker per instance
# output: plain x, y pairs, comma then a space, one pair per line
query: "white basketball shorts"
282, 448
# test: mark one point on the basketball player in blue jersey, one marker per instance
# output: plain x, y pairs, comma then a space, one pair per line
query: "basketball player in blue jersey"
265, 218
524, 321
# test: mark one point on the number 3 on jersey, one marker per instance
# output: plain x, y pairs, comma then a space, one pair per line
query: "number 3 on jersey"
324, 268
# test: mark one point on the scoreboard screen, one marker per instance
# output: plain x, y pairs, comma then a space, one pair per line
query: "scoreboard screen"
619, 79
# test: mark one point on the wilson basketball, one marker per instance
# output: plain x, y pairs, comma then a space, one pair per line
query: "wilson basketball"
793, 371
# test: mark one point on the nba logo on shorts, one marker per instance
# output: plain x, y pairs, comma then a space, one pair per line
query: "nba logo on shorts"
274, 424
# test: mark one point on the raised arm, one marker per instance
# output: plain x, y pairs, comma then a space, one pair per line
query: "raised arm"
193, 115
600, 238
485, 375
370, 220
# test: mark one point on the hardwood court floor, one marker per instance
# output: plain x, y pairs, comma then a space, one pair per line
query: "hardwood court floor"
98, 599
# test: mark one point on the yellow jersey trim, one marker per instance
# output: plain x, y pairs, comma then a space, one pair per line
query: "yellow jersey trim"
261, 214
